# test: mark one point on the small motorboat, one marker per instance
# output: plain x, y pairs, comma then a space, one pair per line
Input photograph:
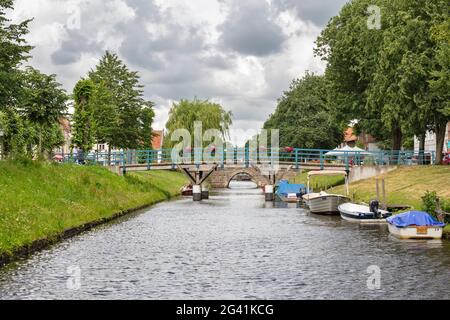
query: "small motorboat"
323, 202
364, 214
415, 225
309, 196
187, 191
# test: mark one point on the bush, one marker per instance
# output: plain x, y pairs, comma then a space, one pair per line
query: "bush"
429, 201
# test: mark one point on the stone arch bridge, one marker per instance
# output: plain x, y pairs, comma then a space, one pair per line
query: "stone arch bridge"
222, 177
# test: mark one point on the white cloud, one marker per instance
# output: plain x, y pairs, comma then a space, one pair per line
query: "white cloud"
210, 49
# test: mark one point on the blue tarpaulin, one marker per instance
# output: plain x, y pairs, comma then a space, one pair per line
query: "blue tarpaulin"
414, 218
284, 188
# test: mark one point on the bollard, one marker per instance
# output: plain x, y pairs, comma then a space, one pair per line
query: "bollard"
197, 191
205, 193
269, 193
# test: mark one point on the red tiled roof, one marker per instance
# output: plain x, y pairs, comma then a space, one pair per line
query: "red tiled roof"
158, 139
349, 136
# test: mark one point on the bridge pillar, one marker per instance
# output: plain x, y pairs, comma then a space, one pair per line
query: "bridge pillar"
268, 190
197, 191
205, 193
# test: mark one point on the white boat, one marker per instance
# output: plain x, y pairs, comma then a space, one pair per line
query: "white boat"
363, 214
323, 202
416, 232
415, 225
309, 196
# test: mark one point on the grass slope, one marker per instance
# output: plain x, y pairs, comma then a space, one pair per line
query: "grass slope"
319, 183
405, 185
39, 200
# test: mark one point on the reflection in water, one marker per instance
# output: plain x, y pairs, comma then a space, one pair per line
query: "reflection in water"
242, 185
232, 246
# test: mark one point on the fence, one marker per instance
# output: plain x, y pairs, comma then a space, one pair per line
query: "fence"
246, 157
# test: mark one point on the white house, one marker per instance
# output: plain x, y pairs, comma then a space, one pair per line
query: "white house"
430, 141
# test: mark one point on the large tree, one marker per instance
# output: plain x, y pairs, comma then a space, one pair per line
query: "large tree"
304, 117
129, 116
383, 77
439, 101
13, 52
42, 103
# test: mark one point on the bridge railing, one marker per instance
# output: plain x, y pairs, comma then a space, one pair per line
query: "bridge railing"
246, 157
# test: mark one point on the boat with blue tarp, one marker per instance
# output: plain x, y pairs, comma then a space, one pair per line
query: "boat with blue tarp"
289, 192
415, 225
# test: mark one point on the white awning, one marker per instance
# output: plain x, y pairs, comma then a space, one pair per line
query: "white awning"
347, 151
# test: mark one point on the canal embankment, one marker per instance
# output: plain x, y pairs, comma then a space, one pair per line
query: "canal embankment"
43, 203
406, 186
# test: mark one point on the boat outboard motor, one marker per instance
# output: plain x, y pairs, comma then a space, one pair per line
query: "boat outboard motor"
374, 208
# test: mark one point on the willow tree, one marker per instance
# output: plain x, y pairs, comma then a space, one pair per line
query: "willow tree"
184, 114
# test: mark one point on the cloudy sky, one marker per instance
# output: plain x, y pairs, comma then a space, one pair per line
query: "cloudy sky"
240, 53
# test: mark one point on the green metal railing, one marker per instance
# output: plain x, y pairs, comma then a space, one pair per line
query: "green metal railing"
246, 157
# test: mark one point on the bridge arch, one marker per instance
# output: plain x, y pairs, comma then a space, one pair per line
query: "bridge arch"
232, 177
254, 175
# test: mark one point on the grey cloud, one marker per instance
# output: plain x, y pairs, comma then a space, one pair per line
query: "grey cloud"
317, 11
73, 47
249, 29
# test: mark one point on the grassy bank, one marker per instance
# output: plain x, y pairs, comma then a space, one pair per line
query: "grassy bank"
41, 201
404, 186
319, 183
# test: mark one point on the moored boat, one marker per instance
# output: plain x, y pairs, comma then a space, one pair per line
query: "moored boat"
187, 191
415, 225
288, 192
363, 214
323, 202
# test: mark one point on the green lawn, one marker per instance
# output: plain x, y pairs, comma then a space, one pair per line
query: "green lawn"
406, 185
40, 200
319, 183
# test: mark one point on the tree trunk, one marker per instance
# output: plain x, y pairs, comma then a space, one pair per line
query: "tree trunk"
397, 137
440, 138
422, 138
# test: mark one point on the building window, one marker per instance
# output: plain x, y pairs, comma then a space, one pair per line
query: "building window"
101, 147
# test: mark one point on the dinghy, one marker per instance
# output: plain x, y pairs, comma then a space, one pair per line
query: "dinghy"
364, 214
323, 202
415, 225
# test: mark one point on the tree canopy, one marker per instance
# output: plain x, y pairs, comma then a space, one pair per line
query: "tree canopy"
304, 117
394, 80
123, 118
184, 114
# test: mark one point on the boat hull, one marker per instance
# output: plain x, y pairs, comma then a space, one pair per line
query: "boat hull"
326, 204
414, 232
360, 214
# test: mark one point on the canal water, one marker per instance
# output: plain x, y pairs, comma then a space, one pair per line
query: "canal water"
233, 246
